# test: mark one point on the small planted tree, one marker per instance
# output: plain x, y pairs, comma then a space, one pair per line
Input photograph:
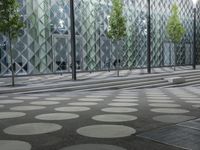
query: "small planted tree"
175, 30
10, 25
117, 26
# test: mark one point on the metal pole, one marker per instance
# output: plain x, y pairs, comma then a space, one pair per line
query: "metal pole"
194, 40
149, 38
73, 40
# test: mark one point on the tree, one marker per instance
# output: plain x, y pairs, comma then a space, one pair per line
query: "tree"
117, 25
10, 25
175, 29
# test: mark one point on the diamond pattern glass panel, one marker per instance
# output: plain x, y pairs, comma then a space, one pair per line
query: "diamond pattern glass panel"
44, 45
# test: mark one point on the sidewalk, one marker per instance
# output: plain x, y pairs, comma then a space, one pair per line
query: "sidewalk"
103, 75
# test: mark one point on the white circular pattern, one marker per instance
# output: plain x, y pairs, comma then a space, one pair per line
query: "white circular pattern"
122, 104
170, 110
192, 99
119, 110
164, 105
187, 96
39, 95
58, 99
126, 97
14, 145
72, 109
44, 103
26, 98
10, 101
27, 108
161, 101
196, 106
83, 104
93, 147
114, 118
172, 118
159, 98
106, 131
96, 96
32, 128
57, 116
193, 102
7, 115
90, 99
3, 96
125, 100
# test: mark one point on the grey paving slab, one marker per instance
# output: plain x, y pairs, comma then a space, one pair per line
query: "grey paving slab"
194, 124
178, 136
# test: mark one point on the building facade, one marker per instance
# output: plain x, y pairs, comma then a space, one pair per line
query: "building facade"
44, 45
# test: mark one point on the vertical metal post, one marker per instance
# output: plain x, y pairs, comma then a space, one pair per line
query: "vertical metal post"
73, 40
149, 37
194, 40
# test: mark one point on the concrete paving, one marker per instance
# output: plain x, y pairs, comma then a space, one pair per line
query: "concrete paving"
96, 120
100, 80
85, 76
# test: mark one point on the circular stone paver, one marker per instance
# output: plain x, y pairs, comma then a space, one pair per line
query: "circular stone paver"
44, 103
192, 99
106, 131
83, 104
39, 95
3, 96
14, 145
125, 100
164, 105
126, 97
156, 95
10, 101
96, 96
7, 115
173, 118
193, 102
114, 118
196, 106
32, 128
119, 110
122, 104
170, 110
159, 98
160, 101
90, 99
26, 98
57, 116
72, 109
187, 96
93, 147
57, 99
27, 108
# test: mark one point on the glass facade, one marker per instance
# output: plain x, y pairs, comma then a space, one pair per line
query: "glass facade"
44, 45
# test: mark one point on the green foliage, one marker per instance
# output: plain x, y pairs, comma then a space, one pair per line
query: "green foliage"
117, 22
10, 21
175, 28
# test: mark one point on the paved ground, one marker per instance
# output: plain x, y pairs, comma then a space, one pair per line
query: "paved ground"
58, 78
98, 120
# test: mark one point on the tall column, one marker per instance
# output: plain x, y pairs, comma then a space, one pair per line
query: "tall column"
149, 37
73, 40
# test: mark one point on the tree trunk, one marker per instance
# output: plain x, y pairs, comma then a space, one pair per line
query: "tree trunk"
11, 60
117, 64
174, 57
